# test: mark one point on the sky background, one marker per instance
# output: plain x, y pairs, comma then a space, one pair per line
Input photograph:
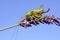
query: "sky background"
12, 10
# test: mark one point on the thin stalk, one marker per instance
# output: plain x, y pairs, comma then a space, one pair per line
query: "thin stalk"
9, 27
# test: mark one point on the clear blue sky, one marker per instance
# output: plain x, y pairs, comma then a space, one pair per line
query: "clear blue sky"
12, 10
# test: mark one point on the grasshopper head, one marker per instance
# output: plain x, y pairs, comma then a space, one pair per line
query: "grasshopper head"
41, 11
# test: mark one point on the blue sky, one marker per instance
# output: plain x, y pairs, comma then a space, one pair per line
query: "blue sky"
12, 10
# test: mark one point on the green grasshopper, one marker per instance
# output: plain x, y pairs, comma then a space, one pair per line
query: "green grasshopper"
35, 13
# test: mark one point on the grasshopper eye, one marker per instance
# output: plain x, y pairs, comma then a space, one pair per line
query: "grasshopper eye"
42, 11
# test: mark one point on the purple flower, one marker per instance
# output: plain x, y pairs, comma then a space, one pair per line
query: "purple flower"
49, 20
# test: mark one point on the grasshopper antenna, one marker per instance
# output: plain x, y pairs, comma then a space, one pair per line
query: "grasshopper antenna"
41, 7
